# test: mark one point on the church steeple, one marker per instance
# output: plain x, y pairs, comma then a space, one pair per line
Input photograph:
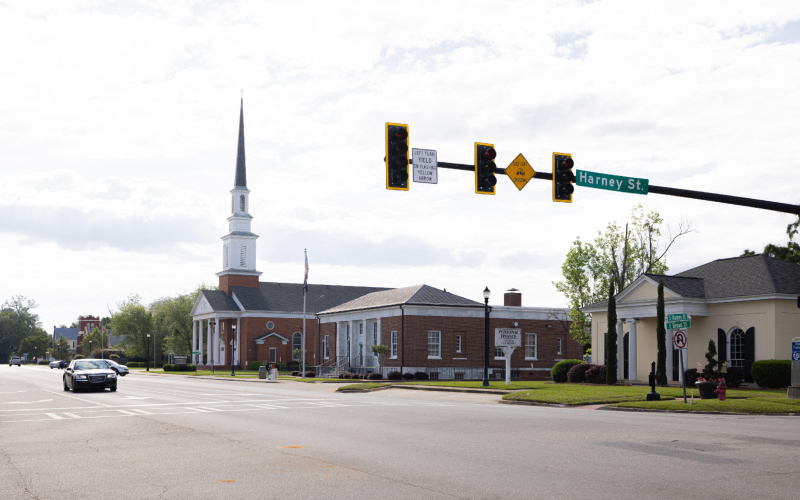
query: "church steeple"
241, 169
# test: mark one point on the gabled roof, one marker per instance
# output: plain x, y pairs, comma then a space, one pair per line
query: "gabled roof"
682, 285
412, 295
261, 338
288, 297
219, 300
67, 333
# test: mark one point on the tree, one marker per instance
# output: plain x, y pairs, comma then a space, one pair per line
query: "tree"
61, 349
99, 342
34, 345
617, 256
173, 320
789, 252
17, 322
134, 321
380, 351
611, 343
710, 370
661, 338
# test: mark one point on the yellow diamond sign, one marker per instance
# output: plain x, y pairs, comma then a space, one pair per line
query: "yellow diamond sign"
520, 171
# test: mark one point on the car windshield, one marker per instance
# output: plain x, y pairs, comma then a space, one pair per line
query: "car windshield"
90, 365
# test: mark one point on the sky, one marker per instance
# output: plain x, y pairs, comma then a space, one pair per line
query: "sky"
118, 129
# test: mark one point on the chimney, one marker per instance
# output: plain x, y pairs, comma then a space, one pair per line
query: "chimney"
512, 297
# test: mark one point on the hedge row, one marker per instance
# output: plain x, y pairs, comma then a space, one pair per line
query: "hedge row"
772, 373
361, 376
179, 368
43, 362
559, 371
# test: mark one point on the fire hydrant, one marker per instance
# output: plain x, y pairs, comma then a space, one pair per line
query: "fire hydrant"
721, 388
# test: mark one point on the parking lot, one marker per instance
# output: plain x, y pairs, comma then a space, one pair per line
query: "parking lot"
179, 437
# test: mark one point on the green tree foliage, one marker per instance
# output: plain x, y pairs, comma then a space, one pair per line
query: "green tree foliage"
133, 320
618, 255
789, 252
173, 322
661, 338
611, 344
35, 345
710, 370
381, 351
99, 340
61, 349
17, 322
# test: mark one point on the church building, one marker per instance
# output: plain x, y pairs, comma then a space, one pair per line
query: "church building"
248, 320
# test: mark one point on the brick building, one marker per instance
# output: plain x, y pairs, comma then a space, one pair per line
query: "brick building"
426, 328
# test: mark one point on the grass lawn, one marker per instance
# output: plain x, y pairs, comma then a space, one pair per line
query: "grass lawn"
465, 384
360, 387
760, 405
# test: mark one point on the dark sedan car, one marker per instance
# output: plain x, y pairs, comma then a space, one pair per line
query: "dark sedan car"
89, 374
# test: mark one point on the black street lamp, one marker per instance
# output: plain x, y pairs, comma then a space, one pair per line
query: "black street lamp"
486, 294
148, 352
90, 348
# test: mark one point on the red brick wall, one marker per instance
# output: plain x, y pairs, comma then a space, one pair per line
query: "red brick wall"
285, 327
226, 281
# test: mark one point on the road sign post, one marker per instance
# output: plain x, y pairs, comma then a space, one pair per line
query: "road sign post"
680, 340
509, 339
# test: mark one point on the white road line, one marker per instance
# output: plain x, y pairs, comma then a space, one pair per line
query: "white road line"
72, 415
11, 392
54, 416
126, 412
208, 409
24, 402
73, 397
454, 395
143, 412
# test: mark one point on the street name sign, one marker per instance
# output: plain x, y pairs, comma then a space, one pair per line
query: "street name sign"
680, 339
520, 171
678, 325
508, 337
611, 182
425, 166
678, 317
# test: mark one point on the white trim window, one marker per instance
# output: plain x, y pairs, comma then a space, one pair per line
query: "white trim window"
434, 345
458, 343
375, 333
394, 345
736, 348
499, 353
530, 347
560, 343
297, 343
326, 346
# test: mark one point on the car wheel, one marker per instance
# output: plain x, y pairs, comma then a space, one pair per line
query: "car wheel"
66, 387
113, 389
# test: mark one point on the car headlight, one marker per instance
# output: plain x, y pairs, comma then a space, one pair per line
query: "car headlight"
111, 375
80, 377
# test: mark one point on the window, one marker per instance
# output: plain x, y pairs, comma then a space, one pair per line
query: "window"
499, 353
297, 343
559, 341
272, 354
241, 203
325, 347
394, 344
375, 333
243, 256
737, 348
530, 346
458, 343
434, 344
270, 325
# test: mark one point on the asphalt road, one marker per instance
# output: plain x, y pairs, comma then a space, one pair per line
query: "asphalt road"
176, 437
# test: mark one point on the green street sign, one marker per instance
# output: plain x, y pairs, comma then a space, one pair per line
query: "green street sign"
678, 317
611, 182
195, 352
678, 325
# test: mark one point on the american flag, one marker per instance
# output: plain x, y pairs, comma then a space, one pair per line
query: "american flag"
305, 280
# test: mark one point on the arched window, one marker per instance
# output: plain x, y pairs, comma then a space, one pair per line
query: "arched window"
241, 203
736, 344
297, 343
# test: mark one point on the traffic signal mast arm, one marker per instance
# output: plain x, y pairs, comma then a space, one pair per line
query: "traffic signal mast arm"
681, 193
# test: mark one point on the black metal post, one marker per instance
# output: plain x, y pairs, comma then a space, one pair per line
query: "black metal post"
653, 395
148, 353
233, 351
486, 344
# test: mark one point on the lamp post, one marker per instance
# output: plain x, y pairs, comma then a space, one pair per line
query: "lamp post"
148, 352
90, 348
233, 355
486, 294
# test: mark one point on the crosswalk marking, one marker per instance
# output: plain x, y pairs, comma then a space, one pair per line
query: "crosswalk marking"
143, 412
72, 415
54, 416
126, 412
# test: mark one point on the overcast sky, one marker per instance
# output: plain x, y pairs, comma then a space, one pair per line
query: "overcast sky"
118, 126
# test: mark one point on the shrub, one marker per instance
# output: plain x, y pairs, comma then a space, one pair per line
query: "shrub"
577, 374
395, 375
420, 376
190, 367
341, 375
559, 371
596, 374
295, 373
114, 358
346, 375
691, 377
734, 377
408, 376
254, 365
167, 368
772, 373
375, 376
42, 362
311, 374
78, 356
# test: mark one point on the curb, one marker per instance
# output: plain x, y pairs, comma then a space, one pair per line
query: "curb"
209, 377
429, 388
534, 403
687, 412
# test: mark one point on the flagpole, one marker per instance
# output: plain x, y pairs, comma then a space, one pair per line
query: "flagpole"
305, 289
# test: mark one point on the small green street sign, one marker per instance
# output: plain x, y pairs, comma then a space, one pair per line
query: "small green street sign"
678, 325
611, 182
678, 317
195, 352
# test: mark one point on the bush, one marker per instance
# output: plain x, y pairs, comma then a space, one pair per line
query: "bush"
596, 374
311, 374
42, 362
560, 370
114, 358
345, 375
375, 376
420, 376
167, 368
191, 368
577, 374
295, 373
772, 373
408, 376
395, 375
734, 377
78, 356
691, 377
254, 365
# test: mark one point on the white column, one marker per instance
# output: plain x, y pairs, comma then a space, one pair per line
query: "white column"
668, 342
200, 341
353, 343
208, 345
632, 349
620, 352
194, 341
215, 340
238, 343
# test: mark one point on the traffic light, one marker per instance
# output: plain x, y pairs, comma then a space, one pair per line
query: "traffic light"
396, 156
563, 177
485, 168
